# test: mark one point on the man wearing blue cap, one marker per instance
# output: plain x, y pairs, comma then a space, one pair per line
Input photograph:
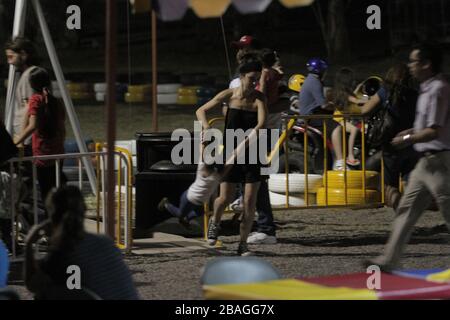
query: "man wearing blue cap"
311, 101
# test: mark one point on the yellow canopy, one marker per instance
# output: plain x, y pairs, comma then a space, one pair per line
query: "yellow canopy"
286, 289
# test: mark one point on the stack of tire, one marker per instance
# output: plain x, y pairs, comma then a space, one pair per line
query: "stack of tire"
297, 185
221, 83
70, 166
335, 190
168, 93
139, 93
80, 91
204, 94
55, 90
200, 79
187, 95
100, 91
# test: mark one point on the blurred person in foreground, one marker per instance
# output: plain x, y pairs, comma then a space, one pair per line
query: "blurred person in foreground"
4, 265
100, 262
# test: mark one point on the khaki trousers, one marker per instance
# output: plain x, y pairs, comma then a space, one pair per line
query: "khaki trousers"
430, 178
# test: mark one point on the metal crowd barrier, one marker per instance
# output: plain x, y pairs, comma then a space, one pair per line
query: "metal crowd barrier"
124, 161
290, 121
123, 236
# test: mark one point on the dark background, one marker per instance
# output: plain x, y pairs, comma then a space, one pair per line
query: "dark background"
197, 45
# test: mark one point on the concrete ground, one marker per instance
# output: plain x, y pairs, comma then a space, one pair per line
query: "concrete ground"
310, 243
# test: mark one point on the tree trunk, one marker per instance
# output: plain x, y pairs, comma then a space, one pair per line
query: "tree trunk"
338, 40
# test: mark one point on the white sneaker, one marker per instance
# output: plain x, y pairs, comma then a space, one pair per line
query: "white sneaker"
261, 238
339, 165
237, 205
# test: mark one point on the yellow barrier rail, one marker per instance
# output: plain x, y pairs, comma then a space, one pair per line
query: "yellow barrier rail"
124, 242
345, 171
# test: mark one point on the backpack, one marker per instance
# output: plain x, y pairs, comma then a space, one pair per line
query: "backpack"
382, 127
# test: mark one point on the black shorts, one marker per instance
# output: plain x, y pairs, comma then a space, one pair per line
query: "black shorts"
244, 173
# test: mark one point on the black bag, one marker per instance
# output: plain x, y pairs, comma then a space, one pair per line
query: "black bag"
7, 147
382, 127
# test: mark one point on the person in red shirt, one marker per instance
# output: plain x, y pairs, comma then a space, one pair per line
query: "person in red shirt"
269, 82
45, 122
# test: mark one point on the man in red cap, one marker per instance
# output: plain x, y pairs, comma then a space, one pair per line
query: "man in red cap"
244, 41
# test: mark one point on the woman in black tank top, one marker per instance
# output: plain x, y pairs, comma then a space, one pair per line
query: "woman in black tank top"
245, 120
247, 111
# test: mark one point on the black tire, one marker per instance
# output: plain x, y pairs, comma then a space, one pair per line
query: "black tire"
296, 163
315, 156
168, 166
295, 146
154, 147
23, 225
203, 79
164, 78
373, 163
315, 150
187, 79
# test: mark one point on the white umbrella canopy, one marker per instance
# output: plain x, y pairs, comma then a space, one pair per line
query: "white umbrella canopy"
171, 10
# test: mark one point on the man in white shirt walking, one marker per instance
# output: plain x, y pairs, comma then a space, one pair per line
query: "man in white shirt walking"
431, 137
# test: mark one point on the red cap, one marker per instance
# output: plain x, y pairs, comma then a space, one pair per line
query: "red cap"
243, 42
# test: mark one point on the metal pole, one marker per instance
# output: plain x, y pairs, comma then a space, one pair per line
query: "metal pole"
154, 75
35, 198
13, 208
225, 43
65, 95
344, 156
18, 30
110, 105
325, 160
305, 161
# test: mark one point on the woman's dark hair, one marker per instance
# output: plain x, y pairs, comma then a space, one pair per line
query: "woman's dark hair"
396, 80
66, 209
344, 82
250, 64
20, 44
39, 79
47, 115
268, 57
